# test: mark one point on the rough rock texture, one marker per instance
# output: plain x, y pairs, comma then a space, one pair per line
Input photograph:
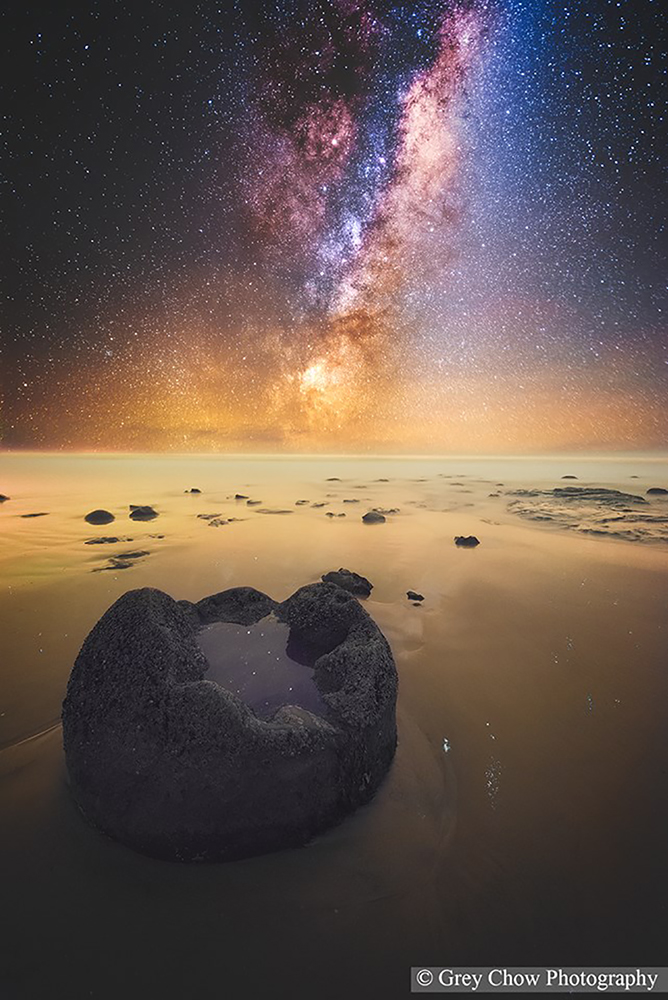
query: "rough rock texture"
99, 517
178, 767
356, 584
467, 541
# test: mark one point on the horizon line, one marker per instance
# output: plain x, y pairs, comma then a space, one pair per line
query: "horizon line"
655, 454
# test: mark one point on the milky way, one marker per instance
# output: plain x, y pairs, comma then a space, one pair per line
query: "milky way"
338, 225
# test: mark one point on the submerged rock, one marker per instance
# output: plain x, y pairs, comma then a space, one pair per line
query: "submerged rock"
373, 517
181, 768
139, 513
353, 582
467, 541
122, 560
99, 517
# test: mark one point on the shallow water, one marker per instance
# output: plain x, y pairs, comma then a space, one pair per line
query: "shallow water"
253, 663
525, 818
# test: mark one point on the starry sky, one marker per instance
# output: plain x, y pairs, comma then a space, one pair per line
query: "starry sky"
334, 225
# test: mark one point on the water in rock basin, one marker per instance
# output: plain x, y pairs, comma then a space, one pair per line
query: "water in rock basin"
252, 662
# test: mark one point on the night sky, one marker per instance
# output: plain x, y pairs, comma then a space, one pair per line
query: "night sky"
334, 226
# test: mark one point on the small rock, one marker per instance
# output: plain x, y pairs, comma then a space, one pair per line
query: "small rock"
569, 477
3, 498
140, 513
355, 500
253, 503
657, 491
333, 479
352, 582
319, 504
41, 513
109, 540
373, 517
193, 489
413, 596
240, 496
99, 517
467, 541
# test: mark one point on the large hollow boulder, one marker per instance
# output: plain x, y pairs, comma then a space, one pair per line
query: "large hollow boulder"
178, 767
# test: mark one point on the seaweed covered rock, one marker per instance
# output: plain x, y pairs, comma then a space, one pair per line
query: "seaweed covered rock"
181, 768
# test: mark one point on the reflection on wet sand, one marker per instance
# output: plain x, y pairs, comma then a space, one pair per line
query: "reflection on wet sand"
524, 819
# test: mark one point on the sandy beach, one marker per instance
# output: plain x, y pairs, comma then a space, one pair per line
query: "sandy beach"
524, 818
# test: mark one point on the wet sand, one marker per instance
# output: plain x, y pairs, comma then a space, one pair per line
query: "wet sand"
525, 818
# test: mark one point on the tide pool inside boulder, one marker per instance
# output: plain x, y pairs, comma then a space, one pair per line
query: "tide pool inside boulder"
172, 749
252, 662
